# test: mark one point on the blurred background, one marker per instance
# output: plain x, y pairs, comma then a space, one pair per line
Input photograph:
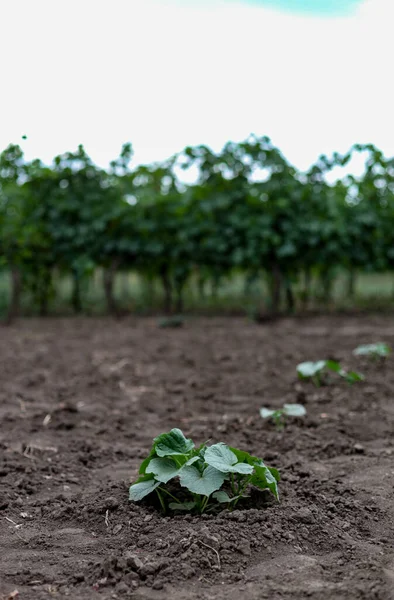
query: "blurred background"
220, 157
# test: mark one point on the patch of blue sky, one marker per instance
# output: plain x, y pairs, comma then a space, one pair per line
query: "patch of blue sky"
327, 8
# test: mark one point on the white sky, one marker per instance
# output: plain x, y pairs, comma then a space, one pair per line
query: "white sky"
164, 74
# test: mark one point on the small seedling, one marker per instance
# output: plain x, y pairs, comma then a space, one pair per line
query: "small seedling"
376, 351
280, 415
173, 322
208, 474
316, 371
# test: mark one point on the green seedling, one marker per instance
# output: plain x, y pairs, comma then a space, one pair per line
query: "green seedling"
208, 475
316, 372
280, 415
376, 351
174, 322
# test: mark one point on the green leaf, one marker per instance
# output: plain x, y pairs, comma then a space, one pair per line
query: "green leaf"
204, 483
333, 365
164, 469
350, 376
222, 497
266, 413
294, 410
192, 460
142, 488
264, 479
378, 349
274, 472
172, 443
245, 457
309, 369
222, 458
146, 461
353, 377
182, 505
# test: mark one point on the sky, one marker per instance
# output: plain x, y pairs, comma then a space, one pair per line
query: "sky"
314, 7
313, 75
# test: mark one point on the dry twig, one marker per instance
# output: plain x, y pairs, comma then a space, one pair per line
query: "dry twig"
214, 550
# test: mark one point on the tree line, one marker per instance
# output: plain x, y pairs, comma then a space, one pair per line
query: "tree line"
249, 211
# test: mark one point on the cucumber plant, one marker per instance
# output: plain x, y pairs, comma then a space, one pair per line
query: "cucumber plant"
375, 351
208, 475
279, 416
316, 372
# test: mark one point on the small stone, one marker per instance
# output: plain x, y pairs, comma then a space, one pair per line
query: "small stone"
244, 548
236, 515
149, 569
117, 529
305, 516
188, 572
359, 449
133, 561
122, 588
158, 584
112, 502
211, 540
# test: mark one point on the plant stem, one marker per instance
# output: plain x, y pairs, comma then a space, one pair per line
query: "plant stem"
168, 493
232, 483
278, 417
204, 503
240, 482
161, 501
178, 463
316, 380
242, 489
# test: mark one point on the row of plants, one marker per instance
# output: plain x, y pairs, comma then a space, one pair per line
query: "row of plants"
317, 372
200, 479
247, 212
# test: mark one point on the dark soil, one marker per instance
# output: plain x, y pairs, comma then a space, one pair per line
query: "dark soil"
81, 400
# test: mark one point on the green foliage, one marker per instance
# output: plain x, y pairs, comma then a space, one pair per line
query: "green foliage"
249, 212
280, 415
377, 350
201, 473
172, 443
316, 371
